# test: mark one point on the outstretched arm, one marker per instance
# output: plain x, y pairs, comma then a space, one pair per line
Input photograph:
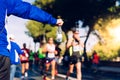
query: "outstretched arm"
17, 48
28, 11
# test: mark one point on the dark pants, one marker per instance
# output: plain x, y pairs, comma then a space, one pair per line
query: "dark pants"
4, 68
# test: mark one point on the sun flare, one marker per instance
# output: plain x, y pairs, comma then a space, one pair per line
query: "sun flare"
115, 33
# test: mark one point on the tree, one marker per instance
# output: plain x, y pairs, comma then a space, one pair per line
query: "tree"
38, 31
71, 11
109, 30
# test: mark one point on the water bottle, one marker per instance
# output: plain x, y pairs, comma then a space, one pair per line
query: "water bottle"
59, 35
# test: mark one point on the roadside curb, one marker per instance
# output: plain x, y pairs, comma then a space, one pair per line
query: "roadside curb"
109, 69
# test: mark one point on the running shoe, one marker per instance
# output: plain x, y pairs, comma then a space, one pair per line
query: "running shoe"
26, 74
22, 77
66, 78
44, 77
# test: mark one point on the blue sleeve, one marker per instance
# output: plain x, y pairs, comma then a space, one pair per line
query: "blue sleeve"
19, 51
28, 11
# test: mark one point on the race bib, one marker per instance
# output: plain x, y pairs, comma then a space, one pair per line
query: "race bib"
51, 55
76, 48
26, 55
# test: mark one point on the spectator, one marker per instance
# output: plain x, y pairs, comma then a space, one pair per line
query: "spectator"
95, 61
23, 10
31, 59
15, 51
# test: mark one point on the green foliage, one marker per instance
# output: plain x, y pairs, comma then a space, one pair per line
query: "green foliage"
114, 9
43, 3
109, 30
35, 28
106, 52
53, 32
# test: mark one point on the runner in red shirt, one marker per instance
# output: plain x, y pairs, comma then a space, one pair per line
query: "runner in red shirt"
95, 61
25, 61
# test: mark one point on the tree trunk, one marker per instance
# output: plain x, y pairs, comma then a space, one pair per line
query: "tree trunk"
86, 60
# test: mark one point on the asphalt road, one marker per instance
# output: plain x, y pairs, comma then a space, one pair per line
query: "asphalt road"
88, 74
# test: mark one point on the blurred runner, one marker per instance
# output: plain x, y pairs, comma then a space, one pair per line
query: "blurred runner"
31, 59
95, 61
50, 57
25, 61
41, 57
74, 45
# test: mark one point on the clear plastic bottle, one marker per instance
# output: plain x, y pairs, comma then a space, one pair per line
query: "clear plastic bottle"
59, 34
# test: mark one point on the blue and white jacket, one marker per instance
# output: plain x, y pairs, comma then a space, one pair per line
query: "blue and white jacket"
15, 51
23, 10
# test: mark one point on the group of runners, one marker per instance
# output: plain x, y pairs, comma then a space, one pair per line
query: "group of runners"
52, 56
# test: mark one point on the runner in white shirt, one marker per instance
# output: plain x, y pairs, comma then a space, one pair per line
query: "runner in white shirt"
50, 56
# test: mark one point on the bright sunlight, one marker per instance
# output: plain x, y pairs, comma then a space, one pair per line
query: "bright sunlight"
115, 33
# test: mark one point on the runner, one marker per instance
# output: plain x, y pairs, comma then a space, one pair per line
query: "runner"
74, 45
50, 57
25, 61
95, 61
41, 56
31, 59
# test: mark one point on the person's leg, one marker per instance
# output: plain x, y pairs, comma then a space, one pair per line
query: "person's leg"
94, 66
78, 69
12, 71
42, 65
19, 68
47, 65
53, 69
71, 66
56, 65
4, 68
56, 68
26, 69
23, 69
31, 64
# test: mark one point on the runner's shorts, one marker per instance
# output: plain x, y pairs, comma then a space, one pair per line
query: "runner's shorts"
49, 60
75, 59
